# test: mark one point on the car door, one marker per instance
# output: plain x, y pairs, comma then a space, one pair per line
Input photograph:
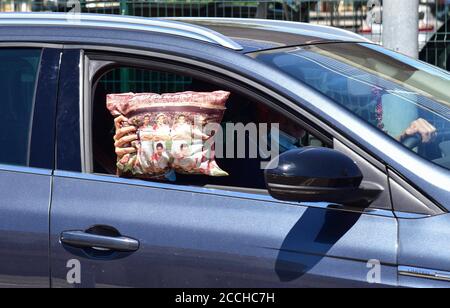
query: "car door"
169, 235
28, 85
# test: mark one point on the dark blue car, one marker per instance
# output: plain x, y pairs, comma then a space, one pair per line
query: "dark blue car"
360, 196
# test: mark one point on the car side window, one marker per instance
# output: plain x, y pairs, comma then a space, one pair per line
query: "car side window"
406, 99
19, 70
245, 172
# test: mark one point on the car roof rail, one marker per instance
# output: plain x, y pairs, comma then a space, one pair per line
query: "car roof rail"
118, 22
293, 27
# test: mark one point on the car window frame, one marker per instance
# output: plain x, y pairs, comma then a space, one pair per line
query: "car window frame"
273, 96
106, 62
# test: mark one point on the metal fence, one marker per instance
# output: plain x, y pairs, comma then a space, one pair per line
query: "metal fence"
434, 25
347, 13
123, 80
437, 48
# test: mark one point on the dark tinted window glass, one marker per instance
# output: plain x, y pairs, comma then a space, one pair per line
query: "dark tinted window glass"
18, 74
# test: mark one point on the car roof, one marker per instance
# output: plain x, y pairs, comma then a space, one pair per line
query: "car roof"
243, 35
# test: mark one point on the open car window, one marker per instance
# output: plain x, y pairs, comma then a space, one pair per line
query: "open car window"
242, 112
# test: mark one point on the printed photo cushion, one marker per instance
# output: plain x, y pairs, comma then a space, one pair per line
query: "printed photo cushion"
173, 132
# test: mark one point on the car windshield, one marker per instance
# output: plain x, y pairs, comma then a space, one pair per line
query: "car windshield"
407, 99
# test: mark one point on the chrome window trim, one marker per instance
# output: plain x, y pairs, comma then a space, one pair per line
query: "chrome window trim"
105, 21
103, 178
424, 273
30, 45
23, 169
85, 115
405, 215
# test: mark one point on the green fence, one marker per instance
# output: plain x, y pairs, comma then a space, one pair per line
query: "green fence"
124, 80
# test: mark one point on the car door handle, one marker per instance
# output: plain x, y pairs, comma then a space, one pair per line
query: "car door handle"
81, 239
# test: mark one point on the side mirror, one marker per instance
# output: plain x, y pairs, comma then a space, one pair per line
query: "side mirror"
313, 174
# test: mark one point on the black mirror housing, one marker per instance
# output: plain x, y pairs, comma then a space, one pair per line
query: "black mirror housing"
313, 174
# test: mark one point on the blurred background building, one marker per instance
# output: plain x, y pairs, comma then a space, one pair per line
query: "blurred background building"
353, 15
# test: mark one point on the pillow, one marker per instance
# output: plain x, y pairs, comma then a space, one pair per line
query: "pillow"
171, 132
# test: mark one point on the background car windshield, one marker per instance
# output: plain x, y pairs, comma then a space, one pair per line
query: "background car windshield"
386, 89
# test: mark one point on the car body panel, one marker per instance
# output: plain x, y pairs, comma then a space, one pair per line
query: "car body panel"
24, 217
197, 239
